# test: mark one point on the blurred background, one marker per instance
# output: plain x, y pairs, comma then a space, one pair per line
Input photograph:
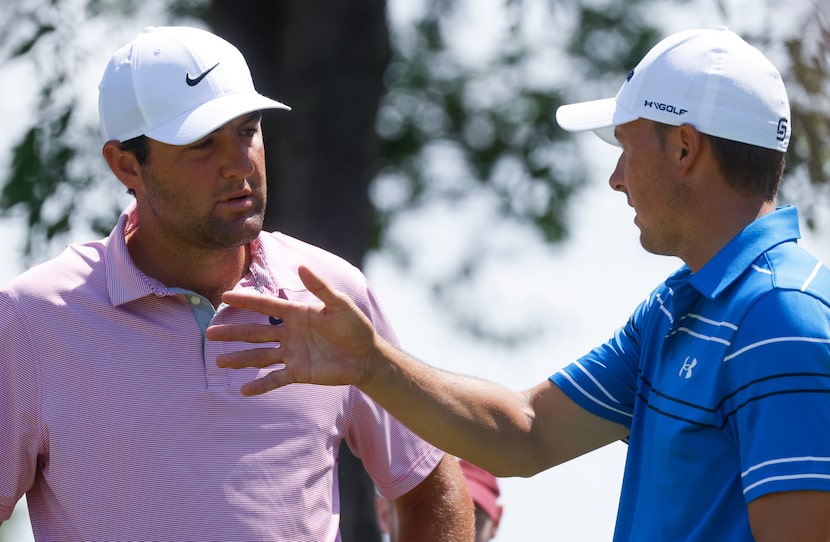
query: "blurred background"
422, 147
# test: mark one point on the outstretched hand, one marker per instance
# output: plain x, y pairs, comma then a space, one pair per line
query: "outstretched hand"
324, 343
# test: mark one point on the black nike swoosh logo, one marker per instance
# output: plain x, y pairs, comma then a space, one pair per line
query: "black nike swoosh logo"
193, 81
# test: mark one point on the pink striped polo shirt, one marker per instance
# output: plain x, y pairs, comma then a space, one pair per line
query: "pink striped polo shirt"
118, 426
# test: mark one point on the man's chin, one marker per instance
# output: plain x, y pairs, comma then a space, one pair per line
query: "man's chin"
235, 234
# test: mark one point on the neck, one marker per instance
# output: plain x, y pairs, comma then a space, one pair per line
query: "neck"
208, 272
725, 221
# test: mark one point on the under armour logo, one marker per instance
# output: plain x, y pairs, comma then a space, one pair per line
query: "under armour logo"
687, 367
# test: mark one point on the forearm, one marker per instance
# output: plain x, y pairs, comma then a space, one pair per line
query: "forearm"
436, 523
506, 432
481, 421
438, 509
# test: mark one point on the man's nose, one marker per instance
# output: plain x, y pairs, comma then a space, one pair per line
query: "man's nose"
617, 180
237, 160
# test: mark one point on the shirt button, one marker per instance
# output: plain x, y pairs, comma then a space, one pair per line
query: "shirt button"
195, 299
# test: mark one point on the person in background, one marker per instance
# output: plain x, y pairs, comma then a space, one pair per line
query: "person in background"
719, 380
484, 489
116, 422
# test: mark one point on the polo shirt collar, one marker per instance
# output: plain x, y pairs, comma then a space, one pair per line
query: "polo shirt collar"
745, 248
271, 272
126, 282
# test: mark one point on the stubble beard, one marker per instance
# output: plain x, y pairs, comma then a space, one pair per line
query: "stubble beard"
221, 234
209, 231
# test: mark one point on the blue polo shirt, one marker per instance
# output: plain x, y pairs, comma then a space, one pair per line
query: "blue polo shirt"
723, 378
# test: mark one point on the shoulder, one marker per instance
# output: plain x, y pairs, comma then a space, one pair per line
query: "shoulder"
283, 255
786, 314
793, 268
294, 252
780, 279
75, 266
787, 287
292, 247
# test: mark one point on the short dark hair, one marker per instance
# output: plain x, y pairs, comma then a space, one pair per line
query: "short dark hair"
140, 147
749, 169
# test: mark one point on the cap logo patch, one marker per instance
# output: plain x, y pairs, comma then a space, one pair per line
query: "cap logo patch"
668, 108
193, 81
782, 129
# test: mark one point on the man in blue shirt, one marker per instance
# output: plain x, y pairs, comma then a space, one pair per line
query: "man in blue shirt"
719, 381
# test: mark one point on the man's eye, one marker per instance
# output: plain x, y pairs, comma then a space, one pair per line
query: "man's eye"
205, 143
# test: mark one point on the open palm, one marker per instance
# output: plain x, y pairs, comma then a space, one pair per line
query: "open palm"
325, 343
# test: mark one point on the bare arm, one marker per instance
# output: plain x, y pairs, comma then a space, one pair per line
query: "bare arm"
439, 508
802, 516
506, 432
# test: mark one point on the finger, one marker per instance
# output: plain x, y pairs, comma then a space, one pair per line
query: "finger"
251, 333
273, 380
255, 357
257, 302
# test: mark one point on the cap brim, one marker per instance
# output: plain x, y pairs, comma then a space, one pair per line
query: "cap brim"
197, 123
599, 116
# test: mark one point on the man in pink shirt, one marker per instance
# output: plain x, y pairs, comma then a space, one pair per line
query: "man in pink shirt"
115, 420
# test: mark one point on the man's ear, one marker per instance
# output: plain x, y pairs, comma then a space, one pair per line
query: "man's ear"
690, 142
123, 164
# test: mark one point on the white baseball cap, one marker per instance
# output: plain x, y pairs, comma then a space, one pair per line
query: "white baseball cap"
711, 79
175, 84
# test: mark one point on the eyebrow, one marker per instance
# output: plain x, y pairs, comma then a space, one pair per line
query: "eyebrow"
255, 116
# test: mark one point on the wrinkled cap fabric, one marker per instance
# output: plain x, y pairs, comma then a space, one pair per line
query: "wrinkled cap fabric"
711, 79
175, 84
484, 488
